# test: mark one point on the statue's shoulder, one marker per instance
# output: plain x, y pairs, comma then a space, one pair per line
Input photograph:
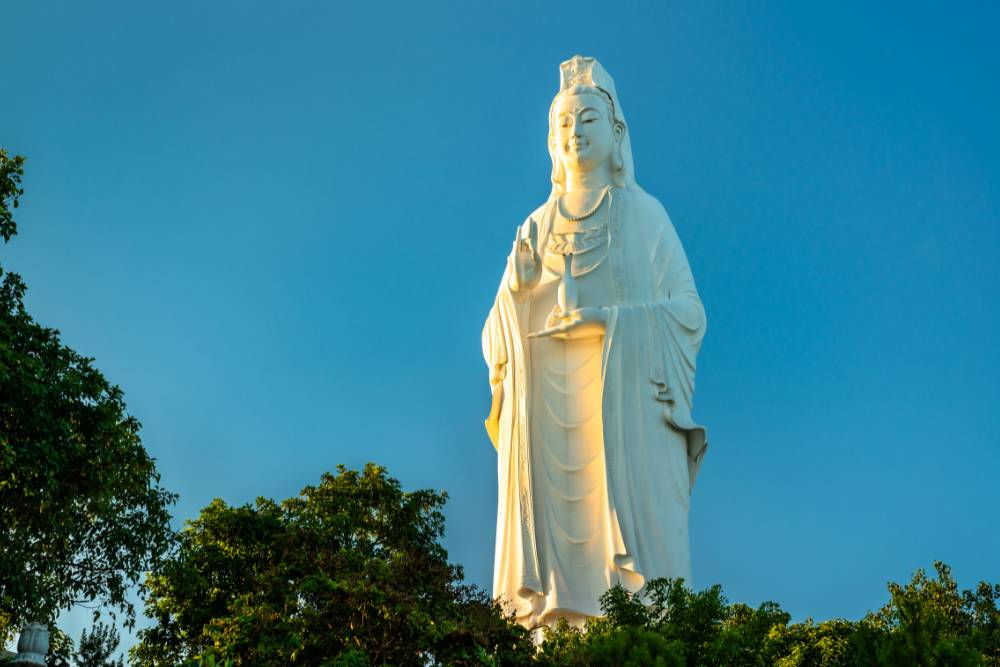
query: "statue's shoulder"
647, 211
537, 215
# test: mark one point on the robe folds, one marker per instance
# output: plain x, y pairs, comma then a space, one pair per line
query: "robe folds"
654, 331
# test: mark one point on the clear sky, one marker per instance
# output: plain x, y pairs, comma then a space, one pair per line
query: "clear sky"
279, 228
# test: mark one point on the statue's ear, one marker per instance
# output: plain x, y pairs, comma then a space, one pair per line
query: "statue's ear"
619, 162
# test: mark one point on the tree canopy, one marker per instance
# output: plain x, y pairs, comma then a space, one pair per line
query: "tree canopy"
349, 572
82, 512
352, 572
926, 623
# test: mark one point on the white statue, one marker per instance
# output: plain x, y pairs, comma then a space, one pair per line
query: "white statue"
591, 347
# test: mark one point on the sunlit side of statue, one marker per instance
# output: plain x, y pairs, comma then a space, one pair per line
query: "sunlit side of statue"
591, 346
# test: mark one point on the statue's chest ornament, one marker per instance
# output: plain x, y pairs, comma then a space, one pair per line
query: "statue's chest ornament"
586, 246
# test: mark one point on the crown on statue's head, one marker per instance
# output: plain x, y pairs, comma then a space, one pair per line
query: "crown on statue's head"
584, 71
577, 71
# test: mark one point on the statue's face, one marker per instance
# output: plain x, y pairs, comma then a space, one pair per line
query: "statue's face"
584, 132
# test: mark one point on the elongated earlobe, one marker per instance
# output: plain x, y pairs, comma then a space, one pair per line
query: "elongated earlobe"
558, 174
557, 177
619, 162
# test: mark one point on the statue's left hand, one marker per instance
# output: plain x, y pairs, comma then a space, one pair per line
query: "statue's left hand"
579, 323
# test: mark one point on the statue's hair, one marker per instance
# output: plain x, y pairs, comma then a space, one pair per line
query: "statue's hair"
558, 173
582, 89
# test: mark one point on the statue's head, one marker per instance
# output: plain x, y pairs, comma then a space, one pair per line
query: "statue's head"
587, 129
584, 130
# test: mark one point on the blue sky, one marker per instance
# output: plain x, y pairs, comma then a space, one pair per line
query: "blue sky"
279, 227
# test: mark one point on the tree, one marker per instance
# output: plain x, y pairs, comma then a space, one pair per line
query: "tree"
349, 572
97, 647
929, 622
665, 623
926, 623
82, 514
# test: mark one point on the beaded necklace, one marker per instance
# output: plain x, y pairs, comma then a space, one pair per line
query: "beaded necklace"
582, 216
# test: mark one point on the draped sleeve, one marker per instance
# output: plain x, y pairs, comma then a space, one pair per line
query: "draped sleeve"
503, 340
496, 355
677, 320
662, 316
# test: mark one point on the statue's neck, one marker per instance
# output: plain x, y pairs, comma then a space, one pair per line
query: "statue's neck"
595, 179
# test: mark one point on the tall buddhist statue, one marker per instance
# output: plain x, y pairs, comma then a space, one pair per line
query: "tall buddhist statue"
591, 347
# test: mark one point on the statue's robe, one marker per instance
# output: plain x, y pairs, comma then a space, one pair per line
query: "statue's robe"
652, 447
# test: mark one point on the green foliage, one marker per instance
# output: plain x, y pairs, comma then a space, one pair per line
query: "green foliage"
349, 572
670, 624
606, 643
809, 644
82, 515
97, 647
927, 623
60, 649
930, 622
11, 171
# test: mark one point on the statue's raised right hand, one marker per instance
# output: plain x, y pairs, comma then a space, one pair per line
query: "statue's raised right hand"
527, 263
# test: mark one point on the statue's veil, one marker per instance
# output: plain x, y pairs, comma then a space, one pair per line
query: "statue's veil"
583, 71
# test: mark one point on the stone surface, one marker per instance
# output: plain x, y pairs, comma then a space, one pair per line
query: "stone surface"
591, 346
33, 645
